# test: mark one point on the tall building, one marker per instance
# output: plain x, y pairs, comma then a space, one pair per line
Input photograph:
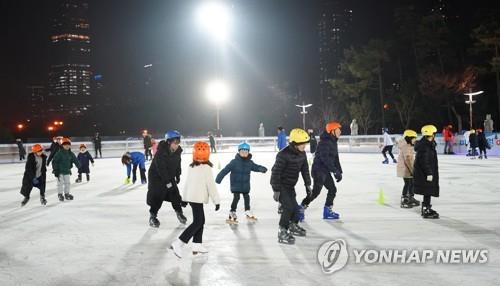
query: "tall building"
333, 27
70, 72
38, 99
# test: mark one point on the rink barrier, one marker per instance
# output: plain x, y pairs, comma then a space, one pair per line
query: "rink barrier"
347, 144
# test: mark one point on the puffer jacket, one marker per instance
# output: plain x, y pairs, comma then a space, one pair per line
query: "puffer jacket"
290, 162
426, 163
200, 185
240, 169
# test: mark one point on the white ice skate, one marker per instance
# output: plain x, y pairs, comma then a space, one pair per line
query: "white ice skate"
232, 219
250, 216
198, 248
177, 247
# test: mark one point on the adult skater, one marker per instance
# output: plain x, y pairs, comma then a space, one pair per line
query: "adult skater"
61, 167
146, 139
313, 144
482, 143
290, 162
21, 149
164, 175
85, 159
200, 186
448, 139
211, 139
281, 138
425, 170
97, 141
326, 161
405, 168
240, 168
133, 160
387, 146
35, 174
474, 144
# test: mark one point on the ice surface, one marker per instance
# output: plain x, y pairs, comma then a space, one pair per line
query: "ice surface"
103, 236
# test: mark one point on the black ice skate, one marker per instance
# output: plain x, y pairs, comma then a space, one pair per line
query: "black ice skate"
180, 216
427, 212
25, 201
61, 197
405, 203
154, 222
285, 237
295, 229
43, 201
413, 202
69, 197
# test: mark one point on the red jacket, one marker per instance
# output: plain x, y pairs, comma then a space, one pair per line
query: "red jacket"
447, 134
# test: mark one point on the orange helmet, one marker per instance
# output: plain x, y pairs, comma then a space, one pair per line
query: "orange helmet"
201, 151
330, 126
83, 146
66, 141
36, 148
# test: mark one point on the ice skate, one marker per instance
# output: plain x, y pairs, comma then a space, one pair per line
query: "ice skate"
328, 213
295, 229
61, 197
154, 222
394, 161
428, 212
177, 247
198, 248
250, 216
405, 203
78, 180
68, 197
25, 201
180, 216
144, 181
413, 202
386, 161
43, 201
232, 219
88, 177
285, 237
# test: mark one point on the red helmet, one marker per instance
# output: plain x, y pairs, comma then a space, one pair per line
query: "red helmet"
36, 148
201, 151
331, 126
83, 146
66, 141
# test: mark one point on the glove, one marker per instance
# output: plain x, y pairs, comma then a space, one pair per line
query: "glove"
264, 170
338, 177
177, 180
56, 174
308, 191
169, 185
127, 181
217, 207
184, 204
276, 196
35, 181
429, 178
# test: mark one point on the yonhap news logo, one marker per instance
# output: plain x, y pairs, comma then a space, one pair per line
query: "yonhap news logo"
333, 256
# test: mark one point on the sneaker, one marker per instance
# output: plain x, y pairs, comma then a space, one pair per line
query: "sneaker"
198, 248
177, 247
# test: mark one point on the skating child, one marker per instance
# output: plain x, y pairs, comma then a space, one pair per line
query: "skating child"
326, 161
61, 167
387, 146
482, 144
164, 176
425, 170
84, 158
135, 159
405, 168
240, 167
200, 186
35, 174
473, 143
56, 146
290, 162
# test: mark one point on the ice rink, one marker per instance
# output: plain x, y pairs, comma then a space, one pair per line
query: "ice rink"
103, 236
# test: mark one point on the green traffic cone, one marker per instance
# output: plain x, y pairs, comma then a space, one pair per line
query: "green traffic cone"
381, 198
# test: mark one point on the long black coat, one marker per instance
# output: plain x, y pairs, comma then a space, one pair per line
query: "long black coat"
313, 144
473, 140
97, 141
84, 159
482, 141
22, 150
147, 142
326, 159
164, 169
290, 162
426, 163
30, 173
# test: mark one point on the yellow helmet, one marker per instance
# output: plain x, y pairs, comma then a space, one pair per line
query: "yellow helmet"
299, 136
472, 131
409, 133
429, 130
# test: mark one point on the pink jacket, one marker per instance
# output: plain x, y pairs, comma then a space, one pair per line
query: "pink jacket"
405, 159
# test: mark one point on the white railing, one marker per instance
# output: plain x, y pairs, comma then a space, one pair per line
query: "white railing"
347, 144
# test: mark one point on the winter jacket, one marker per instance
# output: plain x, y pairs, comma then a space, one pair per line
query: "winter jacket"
313, 143
387, 140
54, 148
240, 169
200, 185
290, 162
165, 168
406, 159
30, 173
447, 135
326, 158
482, 141
22, 150
147, 142
426, 163
84, 159
282, 140
212, 140
63, 162
473, 140
97, 141
137, 159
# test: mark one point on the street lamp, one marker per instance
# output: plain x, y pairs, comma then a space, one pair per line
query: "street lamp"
470, 102
304, 112
217, 92
214, 18
20, 126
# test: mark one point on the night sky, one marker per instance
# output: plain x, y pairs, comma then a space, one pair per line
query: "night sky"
272, 41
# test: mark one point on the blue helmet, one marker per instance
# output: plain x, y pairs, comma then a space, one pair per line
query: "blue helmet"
172, 134
244, 146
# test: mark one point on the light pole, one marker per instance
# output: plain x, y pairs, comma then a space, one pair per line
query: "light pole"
214, 18
470, 102
217, 92
304, 112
